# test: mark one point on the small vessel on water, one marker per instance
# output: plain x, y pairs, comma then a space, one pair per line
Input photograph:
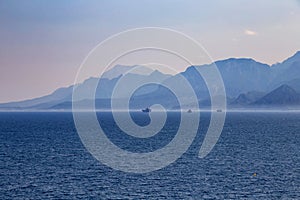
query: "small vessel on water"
189, 111
146, 110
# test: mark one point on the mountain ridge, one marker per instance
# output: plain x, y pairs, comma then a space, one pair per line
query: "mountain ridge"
245, 81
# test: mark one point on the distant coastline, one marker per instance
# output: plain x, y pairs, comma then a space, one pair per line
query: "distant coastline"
249, 85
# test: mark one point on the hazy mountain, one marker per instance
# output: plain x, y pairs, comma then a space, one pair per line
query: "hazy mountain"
62, 98
59, 95
286, 72
246, 82
295, 84
247, 98
119, 70
284, 95
244, 75
239, 76
104, 89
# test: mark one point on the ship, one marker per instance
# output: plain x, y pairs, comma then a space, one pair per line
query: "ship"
146, 110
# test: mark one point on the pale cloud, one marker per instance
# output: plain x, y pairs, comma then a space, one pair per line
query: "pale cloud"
250, 32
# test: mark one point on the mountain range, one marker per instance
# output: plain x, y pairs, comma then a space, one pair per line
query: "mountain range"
249, 85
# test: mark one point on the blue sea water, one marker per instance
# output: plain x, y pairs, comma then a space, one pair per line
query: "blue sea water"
42, 157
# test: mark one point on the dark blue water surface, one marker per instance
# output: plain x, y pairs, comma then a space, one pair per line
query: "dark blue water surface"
41, 157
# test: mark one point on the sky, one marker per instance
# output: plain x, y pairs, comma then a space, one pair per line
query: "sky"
43, 43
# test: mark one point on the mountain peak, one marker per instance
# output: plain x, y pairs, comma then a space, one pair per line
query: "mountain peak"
240, 75
241, 61
154, 72
296, 56
292, 59
285, 88
283, 95
238, 59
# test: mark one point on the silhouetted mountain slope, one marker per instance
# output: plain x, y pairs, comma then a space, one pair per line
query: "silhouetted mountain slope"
241, 77
244, 75
284, 95
247, 98
59, 95
286, 72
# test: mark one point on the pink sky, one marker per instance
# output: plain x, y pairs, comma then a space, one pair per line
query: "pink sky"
43, 43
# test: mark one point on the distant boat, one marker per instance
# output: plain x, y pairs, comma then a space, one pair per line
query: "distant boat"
189, 111
146, 110
219, 110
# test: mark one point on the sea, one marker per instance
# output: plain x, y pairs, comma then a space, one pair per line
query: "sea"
256, 157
